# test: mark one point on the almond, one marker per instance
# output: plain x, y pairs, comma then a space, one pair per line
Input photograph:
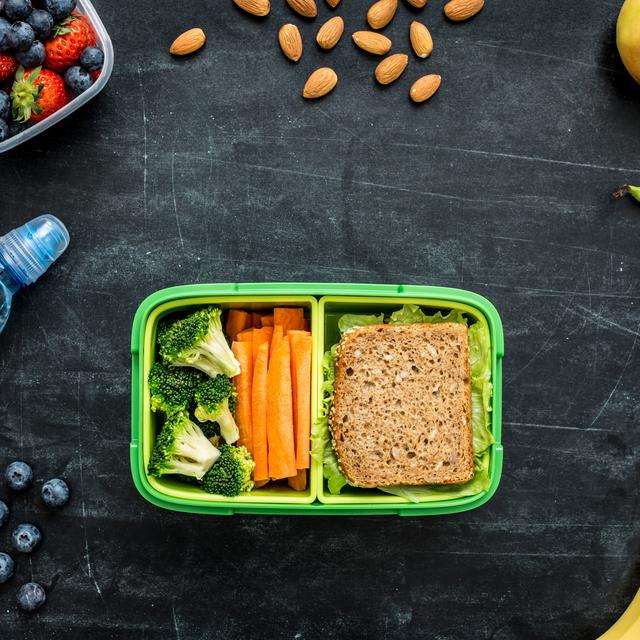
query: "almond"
423, 88
421, 40
254, 7
372, 42
391, 68
458, 10
381, 13
188, 42
333, 3
306, 8
290, 41
330, 32
418, 4
320, 82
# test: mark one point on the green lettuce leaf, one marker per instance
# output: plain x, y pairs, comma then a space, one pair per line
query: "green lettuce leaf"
412, 314
353, 320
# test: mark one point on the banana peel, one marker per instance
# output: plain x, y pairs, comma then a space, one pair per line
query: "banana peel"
628, 626
628, 37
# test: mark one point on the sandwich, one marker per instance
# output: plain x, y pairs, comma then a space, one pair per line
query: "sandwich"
401, 411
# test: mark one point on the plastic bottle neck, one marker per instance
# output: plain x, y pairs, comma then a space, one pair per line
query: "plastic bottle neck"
7, 279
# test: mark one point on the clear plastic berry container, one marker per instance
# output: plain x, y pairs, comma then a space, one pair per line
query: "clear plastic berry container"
104, 42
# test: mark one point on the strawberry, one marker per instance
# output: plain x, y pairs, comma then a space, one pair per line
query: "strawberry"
8, 66
70, 38
36, 94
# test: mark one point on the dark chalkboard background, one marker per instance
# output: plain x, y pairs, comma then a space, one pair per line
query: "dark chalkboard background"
214, 169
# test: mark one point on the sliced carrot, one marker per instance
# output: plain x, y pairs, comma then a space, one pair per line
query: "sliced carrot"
299, 481
276, 339
237, 321
282, 455
256, 320
245, 336
292, 332
301, 373
267, 320
259, 414
243, 351
289, 318
260, 336
260, 483
307, 324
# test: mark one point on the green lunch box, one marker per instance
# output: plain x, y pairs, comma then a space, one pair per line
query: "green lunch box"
323, 304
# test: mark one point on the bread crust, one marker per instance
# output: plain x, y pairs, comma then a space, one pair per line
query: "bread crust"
401, 411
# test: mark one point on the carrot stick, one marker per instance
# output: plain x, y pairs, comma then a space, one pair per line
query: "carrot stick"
243, 351
276, 339
237, 321
245, 336
301, 373
267, 320
292, 332
260, 483
259, 414
289, 318
307, 324
299, 481
256, 320
282, 455
260, 336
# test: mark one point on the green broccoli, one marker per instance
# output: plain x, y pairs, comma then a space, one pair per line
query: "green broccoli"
172, 389
197, 341
231, 474
215, 400
182, 448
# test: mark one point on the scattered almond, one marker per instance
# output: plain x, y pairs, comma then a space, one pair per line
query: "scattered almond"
188, 42
290, 41
320, 82
423, 88
381, 13
372, 42
305, 8
421, 40
391, 68
458, 10
333, 3
418, 4
254, 7
330, 33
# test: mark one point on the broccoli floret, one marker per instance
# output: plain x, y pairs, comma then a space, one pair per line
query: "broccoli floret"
197, 341
182, 448
215, 400
172, 389
231, 474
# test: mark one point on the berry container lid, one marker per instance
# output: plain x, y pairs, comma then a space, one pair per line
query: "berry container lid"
104, 42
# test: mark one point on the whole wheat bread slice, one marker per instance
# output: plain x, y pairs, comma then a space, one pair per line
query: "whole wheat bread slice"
401, 410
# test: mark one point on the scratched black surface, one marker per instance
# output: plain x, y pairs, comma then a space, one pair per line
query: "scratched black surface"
214, 169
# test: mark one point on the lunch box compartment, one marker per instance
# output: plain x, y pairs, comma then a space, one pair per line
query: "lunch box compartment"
324, 304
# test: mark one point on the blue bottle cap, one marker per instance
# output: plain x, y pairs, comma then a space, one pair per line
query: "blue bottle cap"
31, 249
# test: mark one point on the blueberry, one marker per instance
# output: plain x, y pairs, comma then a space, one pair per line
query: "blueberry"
5, 35
41, 22
31, 596
7, 566
5, 105
18, 476
17, 9
92, 59
77, 79
4, 511
33, 57
60, 9
4, 131
22, 36
25, 538
55, 492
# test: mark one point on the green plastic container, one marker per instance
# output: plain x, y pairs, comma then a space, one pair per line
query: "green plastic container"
324, 304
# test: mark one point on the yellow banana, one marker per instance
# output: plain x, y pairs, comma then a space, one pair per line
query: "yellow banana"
628, 37
628, 626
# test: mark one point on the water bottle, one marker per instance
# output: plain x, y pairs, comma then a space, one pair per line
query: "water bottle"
25, 254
